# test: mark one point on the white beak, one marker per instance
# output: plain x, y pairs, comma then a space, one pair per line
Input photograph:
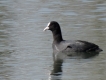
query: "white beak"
46, 28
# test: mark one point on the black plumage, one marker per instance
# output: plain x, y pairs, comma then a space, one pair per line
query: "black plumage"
59, 44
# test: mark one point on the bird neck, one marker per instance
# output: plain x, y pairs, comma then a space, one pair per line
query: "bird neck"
57, 36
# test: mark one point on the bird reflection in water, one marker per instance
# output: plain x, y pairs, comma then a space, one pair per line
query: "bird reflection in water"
59, 58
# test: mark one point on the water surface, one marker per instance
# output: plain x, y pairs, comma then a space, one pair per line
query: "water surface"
26, 51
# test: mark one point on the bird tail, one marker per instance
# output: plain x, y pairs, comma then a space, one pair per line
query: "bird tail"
99, 50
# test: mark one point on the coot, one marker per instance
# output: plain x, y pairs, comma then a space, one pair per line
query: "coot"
59, 44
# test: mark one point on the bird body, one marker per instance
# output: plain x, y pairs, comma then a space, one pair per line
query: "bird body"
75, 46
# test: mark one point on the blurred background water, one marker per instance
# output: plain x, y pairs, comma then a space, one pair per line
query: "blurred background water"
26, 51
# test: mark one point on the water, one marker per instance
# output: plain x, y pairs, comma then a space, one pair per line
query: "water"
25, 50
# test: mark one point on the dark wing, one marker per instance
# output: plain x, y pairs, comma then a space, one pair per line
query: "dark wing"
82, 46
